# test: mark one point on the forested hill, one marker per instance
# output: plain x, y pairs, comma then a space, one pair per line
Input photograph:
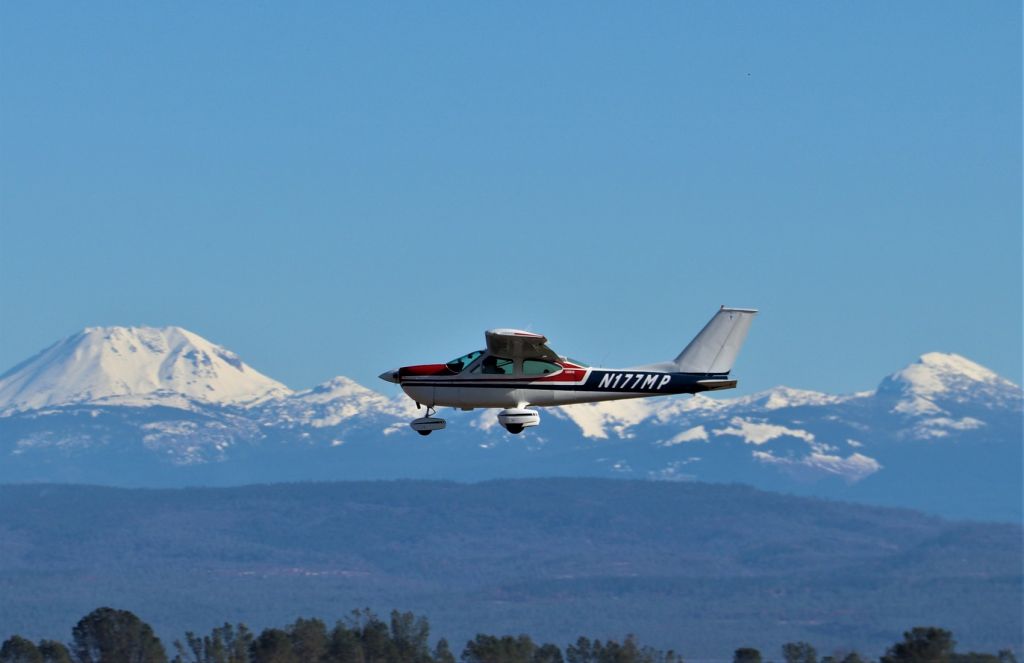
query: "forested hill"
697, 567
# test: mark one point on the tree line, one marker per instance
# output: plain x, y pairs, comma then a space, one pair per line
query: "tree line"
107, 635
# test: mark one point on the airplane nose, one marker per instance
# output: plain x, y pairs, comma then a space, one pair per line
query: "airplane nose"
389, 376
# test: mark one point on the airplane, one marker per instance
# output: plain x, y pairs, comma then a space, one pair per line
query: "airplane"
517, 369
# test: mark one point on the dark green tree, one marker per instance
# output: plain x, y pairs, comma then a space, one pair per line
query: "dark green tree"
746, 655
193, 650
652, 655
628, 651
610, 651
582, 651
443, 652
548, 653
613, 652
410, 636
922, 644
594, 651
375, 639
236, 642
799, 652
344, 645
54, 652
107, 635
852, 657
17, 649
225, 644
273, 646
492, 649
309, 639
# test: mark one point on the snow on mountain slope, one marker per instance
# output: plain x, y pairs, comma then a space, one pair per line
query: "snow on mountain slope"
852, 469
809, 434
134, 366
600, 420
334, 402
922, 390
937, 378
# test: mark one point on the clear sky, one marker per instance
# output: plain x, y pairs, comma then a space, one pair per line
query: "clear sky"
337, 189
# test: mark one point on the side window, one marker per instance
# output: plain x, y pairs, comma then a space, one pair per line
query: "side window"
538, 367
497, 366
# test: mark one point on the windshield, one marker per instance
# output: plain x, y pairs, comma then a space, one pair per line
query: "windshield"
460, 364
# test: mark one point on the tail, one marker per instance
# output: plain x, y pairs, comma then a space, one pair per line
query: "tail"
714, 350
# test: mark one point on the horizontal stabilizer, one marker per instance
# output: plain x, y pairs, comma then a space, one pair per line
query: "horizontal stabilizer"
714, 385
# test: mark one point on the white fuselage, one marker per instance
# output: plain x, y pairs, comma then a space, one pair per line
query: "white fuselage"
582, 386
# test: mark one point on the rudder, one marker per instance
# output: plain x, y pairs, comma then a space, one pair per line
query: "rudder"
714, 350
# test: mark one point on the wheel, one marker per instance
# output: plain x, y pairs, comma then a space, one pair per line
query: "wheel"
515, 429
424, 432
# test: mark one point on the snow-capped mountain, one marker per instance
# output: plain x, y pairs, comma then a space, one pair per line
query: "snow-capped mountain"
937, 380
134, 366
924, 396
143, 406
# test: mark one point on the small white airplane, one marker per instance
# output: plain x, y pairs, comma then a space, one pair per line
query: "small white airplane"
518, 369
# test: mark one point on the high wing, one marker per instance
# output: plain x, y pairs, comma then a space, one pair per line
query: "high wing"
518, 344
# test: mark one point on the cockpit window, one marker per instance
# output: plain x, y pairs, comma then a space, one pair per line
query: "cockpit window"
460, 364
539, 367
492, 365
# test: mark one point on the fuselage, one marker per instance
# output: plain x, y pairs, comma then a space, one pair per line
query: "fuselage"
563, 383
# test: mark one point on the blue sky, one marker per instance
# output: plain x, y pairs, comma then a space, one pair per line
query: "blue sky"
341, 189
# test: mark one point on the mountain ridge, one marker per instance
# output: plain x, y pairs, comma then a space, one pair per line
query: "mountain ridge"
942, 417
685, 565
931, 374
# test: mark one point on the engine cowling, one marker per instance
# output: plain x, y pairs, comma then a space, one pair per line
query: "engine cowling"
515, 419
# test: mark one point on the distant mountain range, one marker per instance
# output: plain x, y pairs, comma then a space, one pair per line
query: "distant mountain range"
140, 406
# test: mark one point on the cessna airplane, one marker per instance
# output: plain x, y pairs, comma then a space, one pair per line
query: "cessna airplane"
518, 369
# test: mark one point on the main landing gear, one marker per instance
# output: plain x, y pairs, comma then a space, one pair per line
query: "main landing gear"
515, 419
428, 424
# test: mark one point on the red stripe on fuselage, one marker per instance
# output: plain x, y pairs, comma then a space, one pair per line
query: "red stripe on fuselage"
565, 375
423, 369
569, 373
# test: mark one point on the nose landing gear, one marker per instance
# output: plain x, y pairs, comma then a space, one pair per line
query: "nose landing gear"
428, 424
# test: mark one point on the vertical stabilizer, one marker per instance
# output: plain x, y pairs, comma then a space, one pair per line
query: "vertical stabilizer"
714, 349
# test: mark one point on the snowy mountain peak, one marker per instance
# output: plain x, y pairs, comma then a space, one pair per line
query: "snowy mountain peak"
134, 366
935, 377
937, 372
